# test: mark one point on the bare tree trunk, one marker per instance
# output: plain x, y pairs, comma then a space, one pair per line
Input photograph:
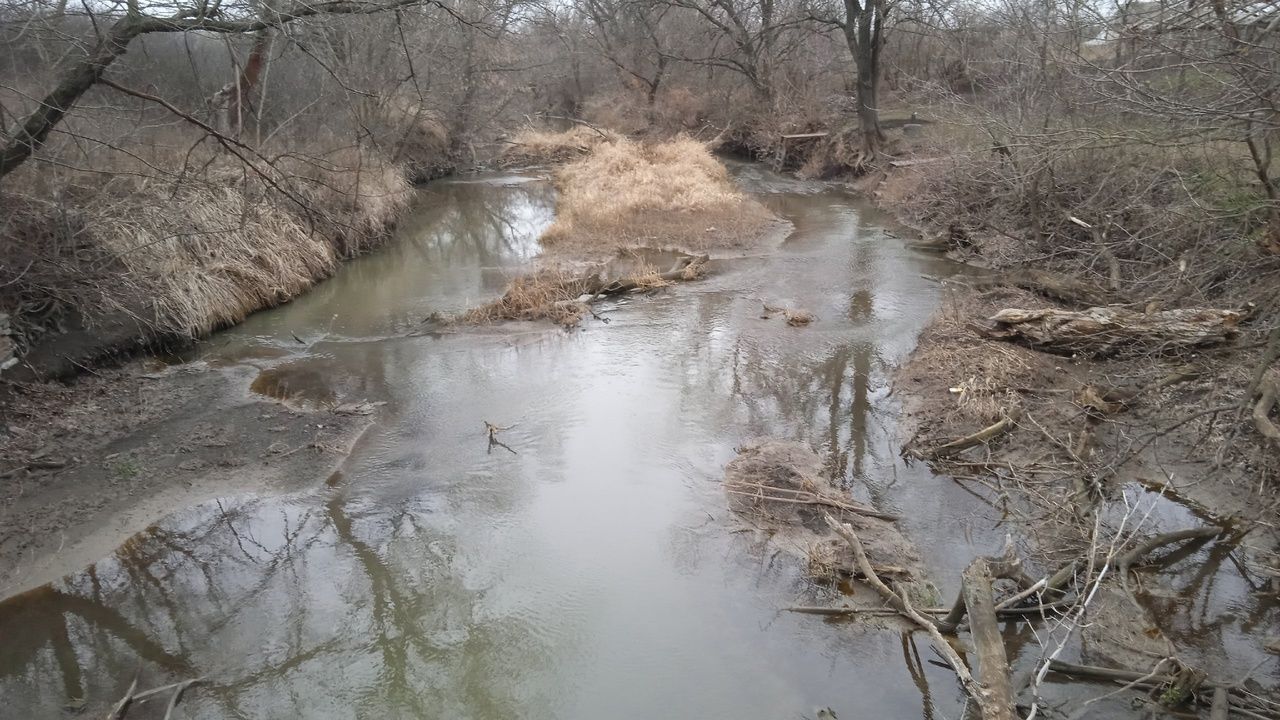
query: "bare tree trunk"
73, 85
233, 98
868, 111
87, 71
863, 26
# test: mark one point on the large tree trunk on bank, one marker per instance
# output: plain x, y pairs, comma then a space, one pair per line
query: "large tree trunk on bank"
1110, 330
869, 112
862, 32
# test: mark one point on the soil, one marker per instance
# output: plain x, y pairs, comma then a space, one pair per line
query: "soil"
86, 465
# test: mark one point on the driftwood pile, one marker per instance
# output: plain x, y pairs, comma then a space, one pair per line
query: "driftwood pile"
1064, 592
779, 485
565, 296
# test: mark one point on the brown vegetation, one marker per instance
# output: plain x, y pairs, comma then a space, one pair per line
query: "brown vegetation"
627, 193
543, 147
564, 295
183, 260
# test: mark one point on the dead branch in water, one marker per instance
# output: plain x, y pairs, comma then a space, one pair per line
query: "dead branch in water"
1004, 613
177, 696
1008, 566
493, 431
122, 707
899, 602
769, 493
993, 665
1237, 699
133, 697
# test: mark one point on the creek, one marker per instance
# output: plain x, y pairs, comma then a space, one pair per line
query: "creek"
590, 571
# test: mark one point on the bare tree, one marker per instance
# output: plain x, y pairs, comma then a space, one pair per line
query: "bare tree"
114, 42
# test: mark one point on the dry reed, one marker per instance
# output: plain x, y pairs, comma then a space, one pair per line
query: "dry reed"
627, 193
188, 256
542, 147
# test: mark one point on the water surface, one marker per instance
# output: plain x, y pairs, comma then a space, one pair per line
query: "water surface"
592, 570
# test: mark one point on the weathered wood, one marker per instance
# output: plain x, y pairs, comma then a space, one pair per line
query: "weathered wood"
686, 268
993, 664
1009, 566
1220, 705
1268, 397
979, 438
913, 162
1106, 330
1063, 288
899, 602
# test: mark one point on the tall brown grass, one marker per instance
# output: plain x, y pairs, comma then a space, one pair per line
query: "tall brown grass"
186, 256
628, 193
544, 147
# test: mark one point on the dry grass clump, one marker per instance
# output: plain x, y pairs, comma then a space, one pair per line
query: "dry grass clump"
562, 295
543, 147
549, 294
647, 277
674, 192
187, 256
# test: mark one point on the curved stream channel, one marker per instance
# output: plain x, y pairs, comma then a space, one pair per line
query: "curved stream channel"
595, 571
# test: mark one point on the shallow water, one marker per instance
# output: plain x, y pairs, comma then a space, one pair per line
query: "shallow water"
591, 570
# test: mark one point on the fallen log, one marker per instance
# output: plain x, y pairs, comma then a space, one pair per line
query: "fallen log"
688, 267
553, 294
1005, 613
1009, 566
1063, 288
1221, 705
993, 664
1109, 330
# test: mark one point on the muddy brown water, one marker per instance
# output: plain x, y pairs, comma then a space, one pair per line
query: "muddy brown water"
592, 570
